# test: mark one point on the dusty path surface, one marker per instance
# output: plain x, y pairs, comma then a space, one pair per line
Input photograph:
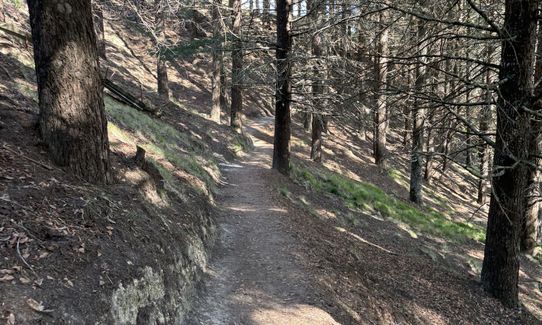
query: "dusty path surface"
256, 274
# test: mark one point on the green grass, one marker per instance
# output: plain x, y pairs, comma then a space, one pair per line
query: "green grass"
370, 199
182, 150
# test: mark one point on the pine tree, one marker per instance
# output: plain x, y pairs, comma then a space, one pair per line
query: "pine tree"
72, 119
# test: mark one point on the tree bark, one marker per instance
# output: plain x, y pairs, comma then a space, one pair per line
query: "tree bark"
281, 150
316, 136
483, 155
99, 28
2, 13
307, 121
317, 123
484, 120
217, 62
161, 75
500, 270
266, 10
237, 67
380, 151
429, 148
529, 231
418, 118
72, 119
161, 67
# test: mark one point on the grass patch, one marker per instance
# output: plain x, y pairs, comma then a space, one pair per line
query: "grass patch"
371, 199
180, 149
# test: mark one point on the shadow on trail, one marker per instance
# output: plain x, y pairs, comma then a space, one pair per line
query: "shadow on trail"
257, 275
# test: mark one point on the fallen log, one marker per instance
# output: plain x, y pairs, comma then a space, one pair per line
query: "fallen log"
124, 97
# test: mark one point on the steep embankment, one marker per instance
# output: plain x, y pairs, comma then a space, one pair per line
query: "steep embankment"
128, 252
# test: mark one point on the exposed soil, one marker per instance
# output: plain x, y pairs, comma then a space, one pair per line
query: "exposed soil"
278, 264
257, 276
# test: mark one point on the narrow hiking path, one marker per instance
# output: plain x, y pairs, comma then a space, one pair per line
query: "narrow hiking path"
256, 275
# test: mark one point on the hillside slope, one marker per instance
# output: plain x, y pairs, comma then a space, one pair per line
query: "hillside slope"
123, 253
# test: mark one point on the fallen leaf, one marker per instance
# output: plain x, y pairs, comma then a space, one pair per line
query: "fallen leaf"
11, 319
6, 278
68, 281
6, 271
24, 280
37, 306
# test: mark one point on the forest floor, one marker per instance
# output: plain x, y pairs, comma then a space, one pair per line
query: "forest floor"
281, 260
258, 276
335, 243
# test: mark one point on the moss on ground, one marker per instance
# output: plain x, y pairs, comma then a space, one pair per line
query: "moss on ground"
369, 198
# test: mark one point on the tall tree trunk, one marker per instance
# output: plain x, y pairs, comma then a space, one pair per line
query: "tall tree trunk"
484, 120
217, 61
281, 150
307, 121
72, 119
429, 148
161, 75
418, 120
317, 86
237, 67
266, 10
316, 138
500, 270
161, 67
407, 114
483, 154
380, 152
529, 231
99, 28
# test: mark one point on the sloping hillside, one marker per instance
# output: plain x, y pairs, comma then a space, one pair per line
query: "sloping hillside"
120, 253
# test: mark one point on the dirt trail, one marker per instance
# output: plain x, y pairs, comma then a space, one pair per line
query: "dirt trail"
256, 275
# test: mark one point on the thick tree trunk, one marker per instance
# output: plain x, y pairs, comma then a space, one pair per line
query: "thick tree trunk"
529, 231
99, 28
418, 118
217, 62
500, 268
72, 119
281, 150
530, 228
380, 151
237, 67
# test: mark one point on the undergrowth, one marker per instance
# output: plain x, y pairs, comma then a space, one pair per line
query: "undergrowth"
369, 198
180, 149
